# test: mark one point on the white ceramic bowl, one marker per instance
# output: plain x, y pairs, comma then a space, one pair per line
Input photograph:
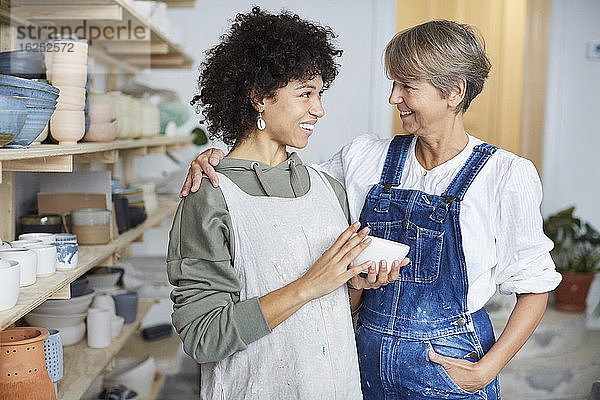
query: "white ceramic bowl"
54, 321
63, 74
116, 324
46, 238
10, 275
67, 127
382, 249
74, 305
28, 260
137, 374
72, 334
46, 258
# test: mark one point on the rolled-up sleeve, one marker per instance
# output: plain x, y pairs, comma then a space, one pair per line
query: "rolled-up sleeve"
524, 262
207, 312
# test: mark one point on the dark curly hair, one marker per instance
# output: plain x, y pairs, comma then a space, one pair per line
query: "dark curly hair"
261, 53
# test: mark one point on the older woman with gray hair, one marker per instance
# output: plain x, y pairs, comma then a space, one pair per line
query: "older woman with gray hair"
468, 210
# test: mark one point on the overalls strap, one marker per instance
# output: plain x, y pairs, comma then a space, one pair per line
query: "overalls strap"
461, 182
394, 162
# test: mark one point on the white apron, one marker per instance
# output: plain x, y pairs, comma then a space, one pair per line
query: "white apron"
312, 354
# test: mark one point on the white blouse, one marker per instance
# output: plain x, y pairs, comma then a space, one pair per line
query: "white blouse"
500, 218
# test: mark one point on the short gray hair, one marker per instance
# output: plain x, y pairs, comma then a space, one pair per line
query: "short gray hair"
440, 52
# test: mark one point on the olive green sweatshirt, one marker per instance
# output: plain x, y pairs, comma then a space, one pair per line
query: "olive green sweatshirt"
207, 312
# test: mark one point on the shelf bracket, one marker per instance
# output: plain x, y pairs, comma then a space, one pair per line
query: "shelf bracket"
104, 157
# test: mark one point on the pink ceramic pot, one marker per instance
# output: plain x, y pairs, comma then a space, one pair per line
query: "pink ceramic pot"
67, 127
102, 132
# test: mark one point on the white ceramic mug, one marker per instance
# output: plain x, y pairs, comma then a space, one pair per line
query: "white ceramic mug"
9, 283
46, 238
28, 260
46, 258
23, 243
98, 328
382, 249
67, 255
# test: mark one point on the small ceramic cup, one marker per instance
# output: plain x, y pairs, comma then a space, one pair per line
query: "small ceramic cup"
10, 272
67, 255
46, 257
28, 260
98, 328
65, 238
126, 305
46, 238
23, 243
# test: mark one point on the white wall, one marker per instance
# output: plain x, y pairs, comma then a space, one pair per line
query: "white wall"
357, 101
571, 173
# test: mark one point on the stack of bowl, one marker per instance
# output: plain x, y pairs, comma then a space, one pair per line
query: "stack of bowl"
67, 69
103, 125
40, 103
67, 316
23, 63
13, 114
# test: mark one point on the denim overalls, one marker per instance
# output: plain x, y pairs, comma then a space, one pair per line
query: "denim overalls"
427, 307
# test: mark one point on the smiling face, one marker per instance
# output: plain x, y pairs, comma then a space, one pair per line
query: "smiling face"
292, 114
422, 107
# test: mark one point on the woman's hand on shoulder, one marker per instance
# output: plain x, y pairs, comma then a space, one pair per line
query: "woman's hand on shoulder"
375, 279
204, 163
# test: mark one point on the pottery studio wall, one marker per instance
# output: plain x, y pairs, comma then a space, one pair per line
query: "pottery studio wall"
571, 174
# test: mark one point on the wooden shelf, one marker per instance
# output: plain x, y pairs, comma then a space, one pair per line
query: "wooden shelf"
55, 150
89, 256
83, 364
157, 50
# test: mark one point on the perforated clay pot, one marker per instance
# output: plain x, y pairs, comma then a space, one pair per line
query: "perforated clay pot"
23, 374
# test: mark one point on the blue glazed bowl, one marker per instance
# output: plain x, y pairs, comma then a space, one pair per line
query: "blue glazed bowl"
37, 118
13, 115
36, 102
24, 64
27, 83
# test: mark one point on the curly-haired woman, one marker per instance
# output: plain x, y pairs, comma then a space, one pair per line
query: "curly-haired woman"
260, 272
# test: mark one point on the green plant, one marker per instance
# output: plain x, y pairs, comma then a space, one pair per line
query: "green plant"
200, 138
576, 243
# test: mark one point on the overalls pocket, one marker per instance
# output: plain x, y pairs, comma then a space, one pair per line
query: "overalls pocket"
425, 248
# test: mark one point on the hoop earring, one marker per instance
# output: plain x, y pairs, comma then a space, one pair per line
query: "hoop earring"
260, 122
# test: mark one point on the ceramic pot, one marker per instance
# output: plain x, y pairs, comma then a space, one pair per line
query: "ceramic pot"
67, 255
50, 223
71, 98
46, 258
126, 305
572, 291
23, 374
9, 284
63, 74
99, 328
67, 127
91, 225
53, 351
28, 261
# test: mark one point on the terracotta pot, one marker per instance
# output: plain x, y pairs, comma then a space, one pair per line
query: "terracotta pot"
571, 293
23, 373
